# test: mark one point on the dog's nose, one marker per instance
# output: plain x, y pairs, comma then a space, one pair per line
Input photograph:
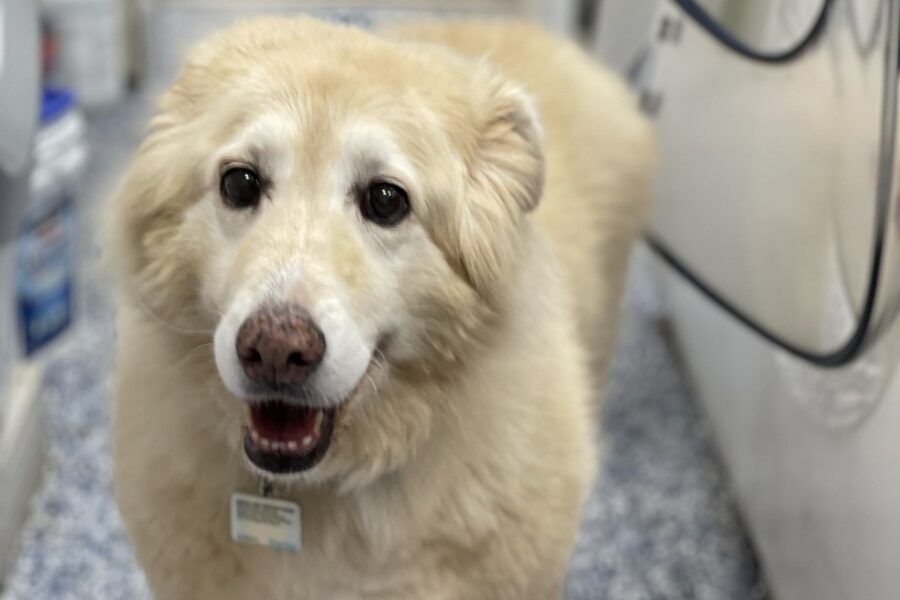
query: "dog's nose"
280, 344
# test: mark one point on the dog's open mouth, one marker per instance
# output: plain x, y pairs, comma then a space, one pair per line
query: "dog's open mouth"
283, 438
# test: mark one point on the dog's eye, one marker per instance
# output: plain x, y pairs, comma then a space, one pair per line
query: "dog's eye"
240, 188
384, 203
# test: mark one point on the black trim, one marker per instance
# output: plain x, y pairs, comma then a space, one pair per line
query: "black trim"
733, 43
860, 337
841, 356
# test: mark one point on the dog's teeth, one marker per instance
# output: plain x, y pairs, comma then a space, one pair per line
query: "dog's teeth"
307, 440
292, 445
254, 436
264, 443
320, 416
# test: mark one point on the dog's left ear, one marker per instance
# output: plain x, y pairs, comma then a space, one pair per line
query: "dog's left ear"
510, 147
505, 172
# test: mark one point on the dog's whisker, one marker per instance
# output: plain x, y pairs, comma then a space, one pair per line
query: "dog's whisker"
192, 354
378, 353
159, 320
372, 381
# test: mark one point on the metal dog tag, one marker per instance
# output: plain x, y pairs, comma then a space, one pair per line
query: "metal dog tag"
265, 522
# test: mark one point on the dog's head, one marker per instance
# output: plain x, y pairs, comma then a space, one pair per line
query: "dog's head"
345, 213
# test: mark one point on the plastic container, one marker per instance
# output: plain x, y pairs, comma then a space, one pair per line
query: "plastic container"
47, 243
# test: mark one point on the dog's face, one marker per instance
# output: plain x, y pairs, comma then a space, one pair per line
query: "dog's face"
344, 212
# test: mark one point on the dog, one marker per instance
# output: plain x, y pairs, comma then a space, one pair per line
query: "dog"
377, 275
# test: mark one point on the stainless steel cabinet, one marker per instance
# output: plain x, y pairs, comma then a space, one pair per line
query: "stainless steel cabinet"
776, 205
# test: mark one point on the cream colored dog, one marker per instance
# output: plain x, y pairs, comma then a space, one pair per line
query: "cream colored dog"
382, 273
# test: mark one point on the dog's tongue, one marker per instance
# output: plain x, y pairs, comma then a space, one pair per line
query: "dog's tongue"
278, 421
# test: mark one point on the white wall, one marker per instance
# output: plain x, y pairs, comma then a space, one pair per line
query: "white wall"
624, 27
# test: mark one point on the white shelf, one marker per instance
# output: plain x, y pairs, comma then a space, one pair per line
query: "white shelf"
22, 449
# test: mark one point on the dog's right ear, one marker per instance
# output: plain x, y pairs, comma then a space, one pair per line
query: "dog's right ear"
142, 229
144, 243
